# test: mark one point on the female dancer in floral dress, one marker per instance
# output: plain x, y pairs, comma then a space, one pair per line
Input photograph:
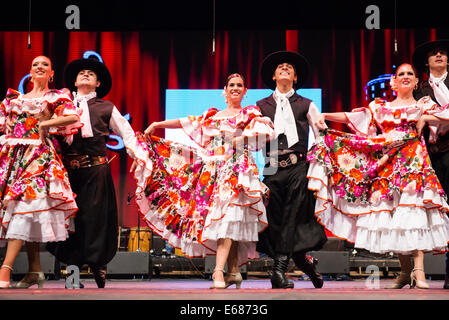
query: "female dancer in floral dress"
208, 200
37, 203
380, 191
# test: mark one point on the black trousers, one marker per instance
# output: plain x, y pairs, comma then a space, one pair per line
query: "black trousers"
292, 225
96, 223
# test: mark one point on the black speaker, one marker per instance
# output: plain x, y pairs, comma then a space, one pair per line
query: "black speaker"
332, 262
130, 264
157, 245
435, 264
335, 244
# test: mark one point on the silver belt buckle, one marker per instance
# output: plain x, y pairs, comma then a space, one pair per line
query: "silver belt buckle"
292, 159
283, 163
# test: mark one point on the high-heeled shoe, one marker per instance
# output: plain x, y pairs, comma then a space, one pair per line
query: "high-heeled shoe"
234, 278
401, 281
5, 284
39, 280
418, 283
218, 284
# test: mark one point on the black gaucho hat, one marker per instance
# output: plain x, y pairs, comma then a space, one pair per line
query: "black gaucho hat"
271, 62
419, 57
103, 75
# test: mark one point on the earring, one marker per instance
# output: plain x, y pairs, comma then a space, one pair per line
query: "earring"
50, 79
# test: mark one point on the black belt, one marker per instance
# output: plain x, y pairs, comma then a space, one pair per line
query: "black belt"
286, 160
82, 161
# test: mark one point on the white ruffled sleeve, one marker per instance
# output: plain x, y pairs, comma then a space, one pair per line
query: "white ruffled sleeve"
200, 128
259, 129
60, 104
430, 107
361, 122
5, 108
3, 117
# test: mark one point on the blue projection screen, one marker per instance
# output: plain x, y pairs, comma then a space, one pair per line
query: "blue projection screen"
180, 103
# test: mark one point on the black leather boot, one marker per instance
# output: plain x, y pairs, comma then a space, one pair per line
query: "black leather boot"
99, 276
278, 278
446, 278
307, 264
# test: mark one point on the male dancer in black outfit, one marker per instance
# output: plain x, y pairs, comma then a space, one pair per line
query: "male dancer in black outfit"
432, 58
96, 224
292, 229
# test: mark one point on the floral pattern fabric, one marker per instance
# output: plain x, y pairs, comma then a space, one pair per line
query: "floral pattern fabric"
37, 201
194, 196
367, 184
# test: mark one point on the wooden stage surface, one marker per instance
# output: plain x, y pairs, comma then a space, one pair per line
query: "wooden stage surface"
198, 289
192, 299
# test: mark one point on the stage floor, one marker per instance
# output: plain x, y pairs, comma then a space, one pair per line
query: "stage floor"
198, 289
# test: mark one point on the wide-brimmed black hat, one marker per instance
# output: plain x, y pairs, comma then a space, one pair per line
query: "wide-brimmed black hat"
271, 62
103, 75
419, 57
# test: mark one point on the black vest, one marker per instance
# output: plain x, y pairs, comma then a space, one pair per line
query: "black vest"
300, 108
100, 114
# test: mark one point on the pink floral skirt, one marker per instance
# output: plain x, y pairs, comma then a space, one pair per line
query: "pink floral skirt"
193, 200
37, 202
383, 195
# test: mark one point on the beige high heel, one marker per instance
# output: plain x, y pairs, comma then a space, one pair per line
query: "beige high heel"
39, 281
5, 284
418, 283
218, 284
236, 278
401, 281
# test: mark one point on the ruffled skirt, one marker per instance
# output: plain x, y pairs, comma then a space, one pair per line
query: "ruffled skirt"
388, 214
37, 202
192, 201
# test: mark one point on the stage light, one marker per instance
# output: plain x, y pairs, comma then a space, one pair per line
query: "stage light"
379, 87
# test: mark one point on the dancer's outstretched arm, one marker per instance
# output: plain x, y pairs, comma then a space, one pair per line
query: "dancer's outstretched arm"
167, 124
